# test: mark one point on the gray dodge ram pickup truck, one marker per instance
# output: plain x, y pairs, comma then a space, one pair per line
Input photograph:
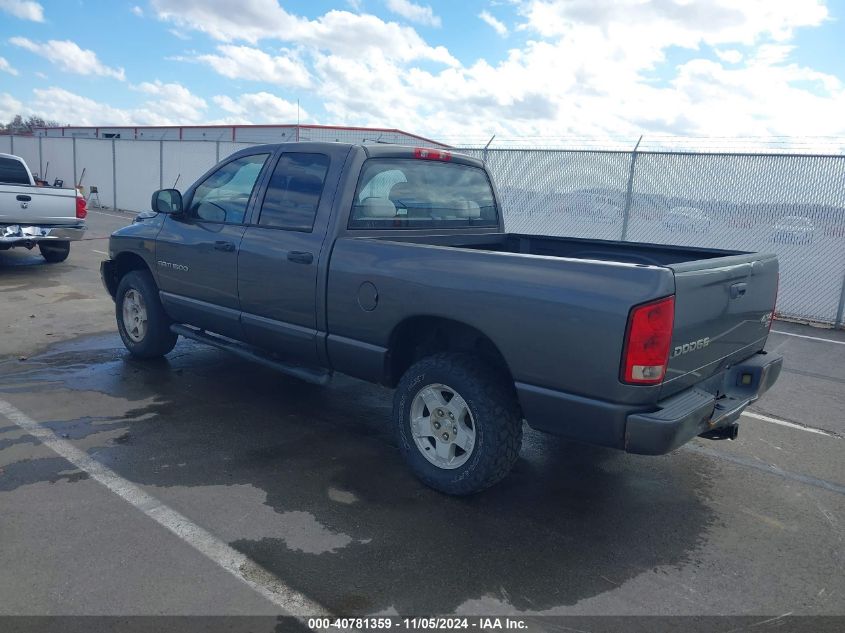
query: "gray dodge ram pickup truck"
391, 264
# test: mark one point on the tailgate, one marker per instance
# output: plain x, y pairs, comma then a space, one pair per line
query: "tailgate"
723, 308
44, 206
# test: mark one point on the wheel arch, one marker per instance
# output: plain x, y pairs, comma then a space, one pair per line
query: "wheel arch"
122, 264
416, 337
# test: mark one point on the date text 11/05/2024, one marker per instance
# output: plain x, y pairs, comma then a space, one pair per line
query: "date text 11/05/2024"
418, 623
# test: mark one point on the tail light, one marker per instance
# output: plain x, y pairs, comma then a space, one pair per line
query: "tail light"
647, 342
432, 154
81, 208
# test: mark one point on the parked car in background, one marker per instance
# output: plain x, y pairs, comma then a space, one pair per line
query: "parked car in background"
391, 264
34, 215
594, 207
793, 229
686, 220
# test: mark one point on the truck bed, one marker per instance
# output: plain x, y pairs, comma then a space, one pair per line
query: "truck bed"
572, 248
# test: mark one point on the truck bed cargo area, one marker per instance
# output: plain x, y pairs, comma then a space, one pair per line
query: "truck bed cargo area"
573, 248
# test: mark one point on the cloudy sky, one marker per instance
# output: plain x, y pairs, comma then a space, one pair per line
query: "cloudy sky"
447, 69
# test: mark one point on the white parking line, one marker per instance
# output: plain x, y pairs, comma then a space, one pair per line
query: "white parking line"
100, 252
812, 338
250, 573
791, 425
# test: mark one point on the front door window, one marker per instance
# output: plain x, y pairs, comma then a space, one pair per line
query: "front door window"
224, 195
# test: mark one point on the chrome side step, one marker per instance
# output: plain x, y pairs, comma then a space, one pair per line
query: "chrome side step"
314, 376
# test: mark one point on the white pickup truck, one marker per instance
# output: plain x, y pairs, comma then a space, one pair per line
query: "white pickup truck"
50, 217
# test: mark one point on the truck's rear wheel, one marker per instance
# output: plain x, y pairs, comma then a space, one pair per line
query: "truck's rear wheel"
54, 252
459, 423
141, 321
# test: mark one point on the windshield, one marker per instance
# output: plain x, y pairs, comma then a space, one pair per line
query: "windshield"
413, 193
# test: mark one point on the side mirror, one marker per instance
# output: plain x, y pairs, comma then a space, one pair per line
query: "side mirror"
167, 201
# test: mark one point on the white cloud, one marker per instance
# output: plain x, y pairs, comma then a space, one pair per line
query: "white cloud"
179, 34
759, 99
344, 33
9, 107
136, 10
496, 25
175, 102
670, 22
58, 104
337, 32
260, 107
769, 54
590, 74
368, 90
23, 9
69, 57
601, 54
731, 56
171, 104
245, 62
6, 67
253, 19
421, 14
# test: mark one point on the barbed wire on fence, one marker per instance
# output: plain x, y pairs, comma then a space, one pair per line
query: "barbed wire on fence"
834, 145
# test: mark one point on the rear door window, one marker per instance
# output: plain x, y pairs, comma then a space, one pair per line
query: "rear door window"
294, 191
413, 193
13, 172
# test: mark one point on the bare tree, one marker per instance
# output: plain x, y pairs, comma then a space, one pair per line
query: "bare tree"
21, 125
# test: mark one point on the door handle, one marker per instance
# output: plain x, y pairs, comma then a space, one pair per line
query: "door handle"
23, 198
300, 257
738, 290
221, 245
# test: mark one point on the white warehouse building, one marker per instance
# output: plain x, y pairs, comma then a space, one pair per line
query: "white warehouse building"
243, 134
124, 164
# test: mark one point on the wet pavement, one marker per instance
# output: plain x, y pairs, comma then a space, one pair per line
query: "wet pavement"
307, 482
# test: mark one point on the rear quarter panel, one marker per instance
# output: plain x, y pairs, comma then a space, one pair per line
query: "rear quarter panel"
559, 323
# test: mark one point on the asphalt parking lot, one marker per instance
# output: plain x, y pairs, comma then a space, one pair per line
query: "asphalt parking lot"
204, 460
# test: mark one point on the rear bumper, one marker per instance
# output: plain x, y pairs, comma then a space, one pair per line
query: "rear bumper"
23, 235
652, 430
698, 410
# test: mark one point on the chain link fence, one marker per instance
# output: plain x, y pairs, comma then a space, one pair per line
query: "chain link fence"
793, 205
790, 204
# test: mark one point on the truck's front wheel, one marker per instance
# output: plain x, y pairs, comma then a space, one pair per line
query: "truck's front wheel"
459, 423
143, 325
54, 252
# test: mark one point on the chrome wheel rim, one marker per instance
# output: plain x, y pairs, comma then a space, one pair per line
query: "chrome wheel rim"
442, 426
134, 315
